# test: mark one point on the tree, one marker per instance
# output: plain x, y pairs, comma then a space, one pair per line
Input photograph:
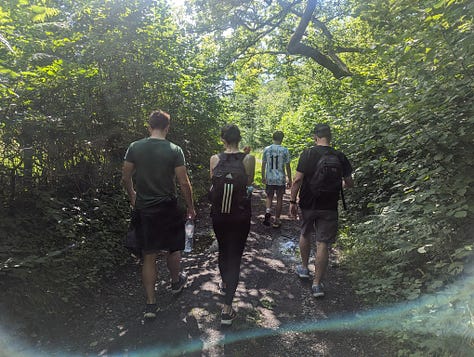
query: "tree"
270, 27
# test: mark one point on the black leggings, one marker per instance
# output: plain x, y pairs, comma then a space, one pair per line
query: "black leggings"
231, 235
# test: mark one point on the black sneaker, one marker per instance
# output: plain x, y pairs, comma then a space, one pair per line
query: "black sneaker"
150, 311
266, 221
177, 287
226, 319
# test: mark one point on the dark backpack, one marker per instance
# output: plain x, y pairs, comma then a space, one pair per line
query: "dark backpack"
228, 193
327, 178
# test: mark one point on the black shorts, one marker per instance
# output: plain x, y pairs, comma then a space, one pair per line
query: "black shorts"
161, 227
271, 189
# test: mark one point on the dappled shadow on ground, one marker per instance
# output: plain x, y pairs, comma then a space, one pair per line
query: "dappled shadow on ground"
277, 316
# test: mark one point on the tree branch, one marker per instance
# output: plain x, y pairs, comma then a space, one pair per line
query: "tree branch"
295, 46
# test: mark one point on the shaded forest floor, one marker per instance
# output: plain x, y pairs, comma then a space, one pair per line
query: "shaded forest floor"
277, 315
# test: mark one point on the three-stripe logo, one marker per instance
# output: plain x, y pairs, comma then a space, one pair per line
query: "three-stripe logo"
227, 198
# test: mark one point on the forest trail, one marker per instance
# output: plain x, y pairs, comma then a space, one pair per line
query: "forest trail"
277, 316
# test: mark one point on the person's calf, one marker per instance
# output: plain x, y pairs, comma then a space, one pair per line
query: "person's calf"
149, 277
321, 262
173, 261
278, 208
305, 250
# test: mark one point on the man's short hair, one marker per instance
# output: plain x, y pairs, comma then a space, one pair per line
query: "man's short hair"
278, 136
322, 131
159, 120
231, 134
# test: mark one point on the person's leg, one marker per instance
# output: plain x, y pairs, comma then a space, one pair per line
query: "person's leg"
326, 223
178, 278
173, 261
268, 204
307, 229
231, 236
149, 276
231, 281
222, 260
219, 231
279, 204
305, 248
236, 239
321, 262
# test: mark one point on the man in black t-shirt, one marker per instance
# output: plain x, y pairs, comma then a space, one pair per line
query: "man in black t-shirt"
318, 214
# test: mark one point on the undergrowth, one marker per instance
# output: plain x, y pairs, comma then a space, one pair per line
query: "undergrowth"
56, 250
418, 275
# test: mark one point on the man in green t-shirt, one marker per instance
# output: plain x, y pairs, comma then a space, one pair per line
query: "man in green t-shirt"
155, 164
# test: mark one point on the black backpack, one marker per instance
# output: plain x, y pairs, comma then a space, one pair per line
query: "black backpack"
228, 193
327, 178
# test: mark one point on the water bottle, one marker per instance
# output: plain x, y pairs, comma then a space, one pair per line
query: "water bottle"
189, 230
249, 191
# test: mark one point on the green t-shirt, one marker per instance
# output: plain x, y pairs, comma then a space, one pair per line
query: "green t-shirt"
155, 161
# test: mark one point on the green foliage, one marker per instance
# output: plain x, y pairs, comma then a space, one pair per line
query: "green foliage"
68, 244
76, 89
412, 155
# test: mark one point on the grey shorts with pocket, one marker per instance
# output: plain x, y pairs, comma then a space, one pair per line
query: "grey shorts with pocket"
323, 222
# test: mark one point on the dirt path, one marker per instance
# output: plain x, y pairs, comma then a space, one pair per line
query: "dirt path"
277, 314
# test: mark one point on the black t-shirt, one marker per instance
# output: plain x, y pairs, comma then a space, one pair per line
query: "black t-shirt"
307, 165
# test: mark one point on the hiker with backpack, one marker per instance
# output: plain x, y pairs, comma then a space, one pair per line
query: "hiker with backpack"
232, 172
321, 174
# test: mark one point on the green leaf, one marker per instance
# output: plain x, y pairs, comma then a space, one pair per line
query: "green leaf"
439, 4
422, 250
460, 214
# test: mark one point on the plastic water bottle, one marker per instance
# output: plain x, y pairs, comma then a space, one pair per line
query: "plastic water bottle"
249, 191
189, 230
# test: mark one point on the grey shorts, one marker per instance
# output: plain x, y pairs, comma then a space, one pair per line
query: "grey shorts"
323, 222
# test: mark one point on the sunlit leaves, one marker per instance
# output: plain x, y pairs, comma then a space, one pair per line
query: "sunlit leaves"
41, 13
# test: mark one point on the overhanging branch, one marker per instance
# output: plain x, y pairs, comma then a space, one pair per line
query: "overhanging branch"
295, 46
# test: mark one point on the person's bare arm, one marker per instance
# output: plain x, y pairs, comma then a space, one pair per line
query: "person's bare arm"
249, 164
186, 190
295, 188
347, 182
264, 173
213, 163
288, 174
128, 169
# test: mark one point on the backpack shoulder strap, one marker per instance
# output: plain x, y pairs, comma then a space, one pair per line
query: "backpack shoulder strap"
241, 156
317, 156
